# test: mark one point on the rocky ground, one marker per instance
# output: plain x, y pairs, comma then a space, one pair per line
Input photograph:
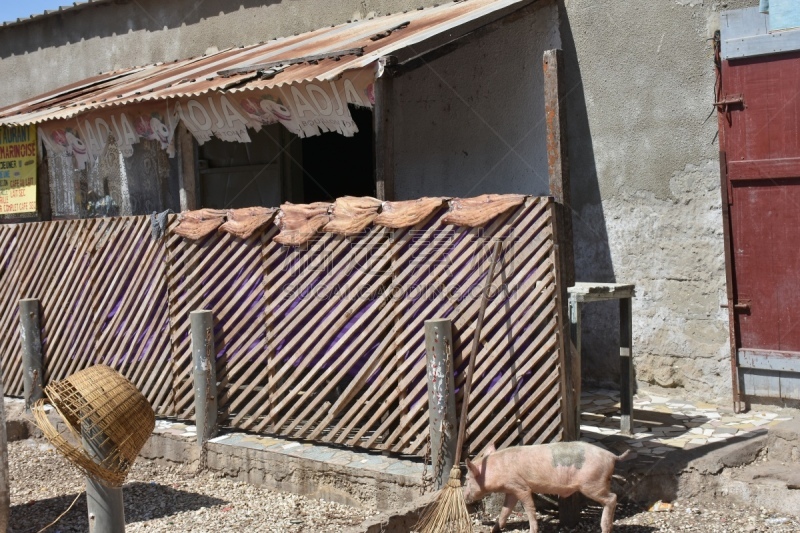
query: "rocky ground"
43, 485
175, 500
701, 517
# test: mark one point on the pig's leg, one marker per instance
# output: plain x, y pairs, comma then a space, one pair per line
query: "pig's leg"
530, 509
508, 506
608, 500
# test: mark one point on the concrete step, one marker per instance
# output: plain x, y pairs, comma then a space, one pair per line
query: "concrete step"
761, 469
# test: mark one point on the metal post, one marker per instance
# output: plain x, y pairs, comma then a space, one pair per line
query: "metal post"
5, 493
31, 339
205, 375
441, 397
104, 504
626, 365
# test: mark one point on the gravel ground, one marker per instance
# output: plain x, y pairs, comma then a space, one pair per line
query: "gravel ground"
171, 499
160, 499
688, 515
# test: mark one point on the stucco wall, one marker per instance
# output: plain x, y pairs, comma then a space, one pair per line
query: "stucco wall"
53, 51
645, 174
472, 122
643, 152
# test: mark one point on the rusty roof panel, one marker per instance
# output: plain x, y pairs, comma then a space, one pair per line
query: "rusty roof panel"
377, 37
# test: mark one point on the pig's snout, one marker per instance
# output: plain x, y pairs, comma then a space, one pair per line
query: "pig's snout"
472, 492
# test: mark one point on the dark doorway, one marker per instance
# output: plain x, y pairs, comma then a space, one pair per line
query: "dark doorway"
335, 165
234, 175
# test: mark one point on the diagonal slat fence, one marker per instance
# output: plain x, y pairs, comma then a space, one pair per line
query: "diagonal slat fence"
322, 341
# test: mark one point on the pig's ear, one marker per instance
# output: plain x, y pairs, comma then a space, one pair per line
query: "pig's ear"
490, 449
472, 468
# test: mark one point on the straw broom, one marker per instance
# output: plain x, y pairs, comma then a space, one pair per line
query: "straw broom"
449, 512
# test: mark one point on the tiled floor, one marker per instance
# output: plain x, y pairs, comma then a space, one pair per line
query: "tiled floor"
663, 424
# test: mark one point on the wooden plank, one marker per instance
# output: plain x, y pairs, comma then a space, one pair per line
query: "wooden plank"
383, 138
779, 361
568, 360
764, 169
555, 100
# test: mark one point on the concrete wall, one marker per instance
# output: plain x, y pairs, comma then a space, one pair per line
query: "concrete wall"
645, 172
53, 51
472, 122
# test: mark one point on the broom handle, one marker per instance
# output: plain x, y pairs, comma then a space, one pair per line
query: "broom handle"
462, 425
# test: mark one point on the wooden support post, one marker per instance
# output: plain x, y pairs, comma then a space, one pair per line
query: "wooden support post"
626, 380
104, 504
5, 492
31, 340
205, 375
575, 308
558, 169
441, 397
43, 205
383, 138
555, 108
187, 168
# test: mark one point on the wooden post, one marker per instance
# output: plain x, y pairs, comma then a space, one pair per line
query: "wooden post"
441, 397
187, 168
558, 169
104, 504
43, 187
31, 339
626, 379
383, 137
205, 375
555, 109
575, 308
5, 492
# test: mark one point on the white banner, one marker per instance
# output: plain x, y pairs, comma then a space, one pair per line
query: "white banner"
305, 109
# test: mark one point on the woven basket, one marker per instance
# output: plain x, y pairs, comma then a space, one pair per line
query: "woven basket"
116, 418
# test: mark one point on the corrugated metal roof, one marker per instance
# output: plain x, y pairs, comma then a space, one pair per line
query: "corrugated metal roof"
49, 12
288, 60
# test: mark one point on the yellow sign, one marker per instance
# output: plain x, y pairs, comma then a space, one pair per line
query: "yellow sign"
17, 169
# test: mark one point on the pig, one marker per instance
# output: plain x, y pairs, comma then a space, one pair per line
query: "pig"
561, 469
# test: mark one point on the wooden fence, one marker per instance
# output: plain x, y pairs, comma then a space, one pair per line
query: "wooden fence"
322, 341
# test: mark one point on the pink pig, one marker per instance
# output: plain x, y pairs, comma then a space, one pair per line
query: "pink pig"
562, 469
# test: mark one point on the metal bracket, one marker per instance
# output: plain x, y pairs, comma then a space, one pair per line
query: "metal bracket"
724, 105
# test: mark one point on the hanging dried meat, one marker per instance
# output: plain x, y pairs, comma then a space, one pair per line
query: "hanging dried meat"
300, 222
352, 214
408, 213
244, 223
195, 225
479, 211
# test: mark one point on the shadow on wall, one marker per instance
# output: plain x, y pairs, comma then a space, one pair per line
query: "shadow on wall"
592, 253
96, 21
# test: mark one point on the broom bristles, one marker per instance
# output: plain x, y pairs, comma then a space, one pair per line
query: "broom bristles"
448, 514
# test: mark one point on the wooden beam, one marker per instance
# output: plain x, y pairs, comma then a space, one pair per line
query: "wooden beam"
187, 169
557, 156
43, 186
383, 139
729, 273
569, 509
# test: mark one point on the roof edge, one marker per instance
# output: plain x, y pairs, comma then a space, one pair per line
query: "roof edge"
76, 6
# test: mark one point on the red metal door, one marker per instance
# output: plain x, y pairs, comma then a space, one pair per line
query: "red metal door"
760, 139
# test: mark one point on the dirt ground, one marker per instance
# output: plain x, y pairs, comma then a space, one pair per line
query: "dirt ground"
174, 500
705, 517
